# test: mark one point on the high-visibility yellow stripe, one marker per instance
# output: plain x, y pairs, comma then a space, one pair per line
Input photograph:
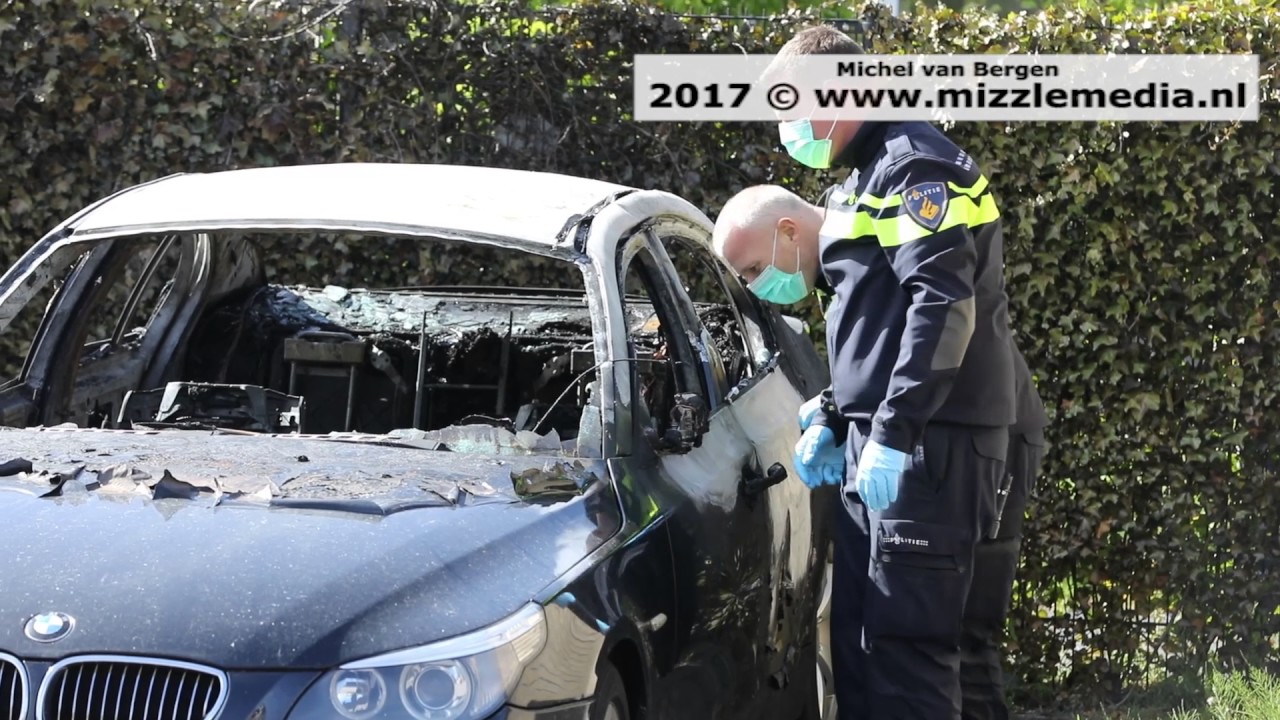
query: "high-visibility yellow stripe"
893, 231
846, 224
972, 191
878, 203
839, 197
961, 210
968, 206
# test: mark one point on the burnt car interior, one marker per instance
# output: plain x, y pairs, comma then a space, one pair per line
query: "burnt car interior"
196, 332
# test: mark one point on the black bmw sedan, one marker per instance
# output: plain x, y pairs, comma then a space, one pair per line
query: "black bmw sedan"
310, 443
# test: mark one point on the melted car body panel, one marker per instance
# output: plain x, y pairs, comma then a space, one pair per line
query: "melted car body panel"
242, 584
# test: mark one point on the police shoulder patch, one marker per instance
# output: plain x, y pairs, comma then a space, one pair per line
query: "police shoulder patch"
926, 203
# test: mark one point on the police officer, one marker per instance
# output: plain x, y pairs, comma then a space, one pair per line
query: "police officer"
996, 559
770, 237
923, 389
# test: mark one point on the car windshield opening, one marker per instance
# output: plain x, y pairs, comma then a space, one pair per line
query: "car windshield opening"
443, 344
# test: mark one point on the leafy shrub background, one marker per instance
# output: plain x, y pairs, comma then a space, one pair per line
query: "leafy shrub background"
1141, 256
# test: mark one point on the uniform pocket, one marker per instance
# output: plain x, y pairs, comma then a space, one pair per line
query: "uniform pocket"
1026, 466
927, 467
989, 470
919, 544
1033, 437
918, 581
992, 444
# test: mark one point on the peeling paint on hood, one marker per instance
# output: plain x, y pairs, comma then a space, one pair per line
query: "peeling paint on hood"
371, 474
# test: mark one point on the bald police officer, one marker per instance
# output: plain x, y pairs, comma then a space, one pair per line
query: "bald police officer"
770, 236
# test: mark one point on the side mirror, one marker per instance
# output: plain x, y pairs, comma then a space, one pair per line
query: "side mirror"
799, 326
689, 422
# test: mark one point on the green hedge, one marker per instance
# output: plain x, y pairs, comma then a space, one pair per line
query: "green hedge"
1140, 256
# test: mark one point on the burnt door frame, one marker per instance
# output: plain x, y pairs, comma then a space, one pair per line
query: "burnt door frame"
720, 540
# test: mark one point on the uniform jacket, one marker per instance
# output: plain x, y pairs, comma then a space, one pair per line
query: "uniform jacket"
918, 331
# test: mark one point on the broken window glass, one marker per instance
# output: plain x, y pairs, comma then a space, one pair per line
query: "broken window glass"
734, 326
668, 376
132, 290
22, 313
404, 334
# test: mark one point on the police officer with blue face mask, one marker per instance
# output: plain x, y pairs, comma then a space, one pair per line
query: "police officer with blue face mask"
922, 396
769, 236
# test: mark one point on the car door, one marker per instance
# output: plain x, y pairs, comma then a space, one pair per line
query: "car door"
103, 324
691, 452
764, 393
35, 284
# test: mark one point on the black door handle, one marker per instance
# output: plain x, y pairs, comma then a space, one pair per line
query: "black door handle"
753, 483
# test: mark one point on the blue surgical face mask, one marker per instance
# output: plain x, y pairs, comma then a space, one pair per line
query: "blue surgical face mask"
776, 286
797, 137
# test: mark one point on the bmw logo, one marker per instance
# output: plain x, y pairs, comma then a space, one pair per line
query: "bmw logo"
50, 627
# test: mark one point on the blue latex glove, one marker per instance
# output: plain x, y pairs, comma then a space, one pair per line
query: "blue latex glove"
817, 459
879, 472
808, 411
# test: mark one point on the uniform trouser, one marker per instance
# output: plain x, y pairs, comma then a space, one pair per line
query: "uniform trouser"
902, 576
991, 592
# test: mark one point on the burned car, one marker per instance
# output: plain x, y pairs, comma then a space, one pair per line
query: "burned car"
393, 441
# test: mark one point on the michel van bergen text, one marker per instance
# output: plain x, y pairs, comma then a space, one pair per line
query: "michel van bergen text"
909, 68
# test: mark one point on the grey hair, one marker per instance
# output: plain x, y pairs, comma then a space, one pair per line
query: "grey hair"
754, 207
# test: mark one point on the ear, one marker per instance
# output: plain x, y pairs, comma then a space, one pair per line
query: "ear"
788, 226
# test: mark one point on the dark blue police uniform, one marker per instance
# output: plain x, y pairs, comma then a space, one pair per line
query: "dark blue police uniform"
921, 361
996, 559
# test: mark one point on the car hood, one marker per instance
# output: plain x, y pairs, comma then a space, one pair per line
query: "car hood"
138, 538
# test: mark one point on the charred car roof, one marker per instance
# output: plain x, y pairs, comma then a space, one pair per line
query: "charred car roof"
527, 208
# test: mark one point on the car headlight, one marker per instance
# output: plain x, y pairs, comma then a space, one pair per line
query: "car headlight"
463, 678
